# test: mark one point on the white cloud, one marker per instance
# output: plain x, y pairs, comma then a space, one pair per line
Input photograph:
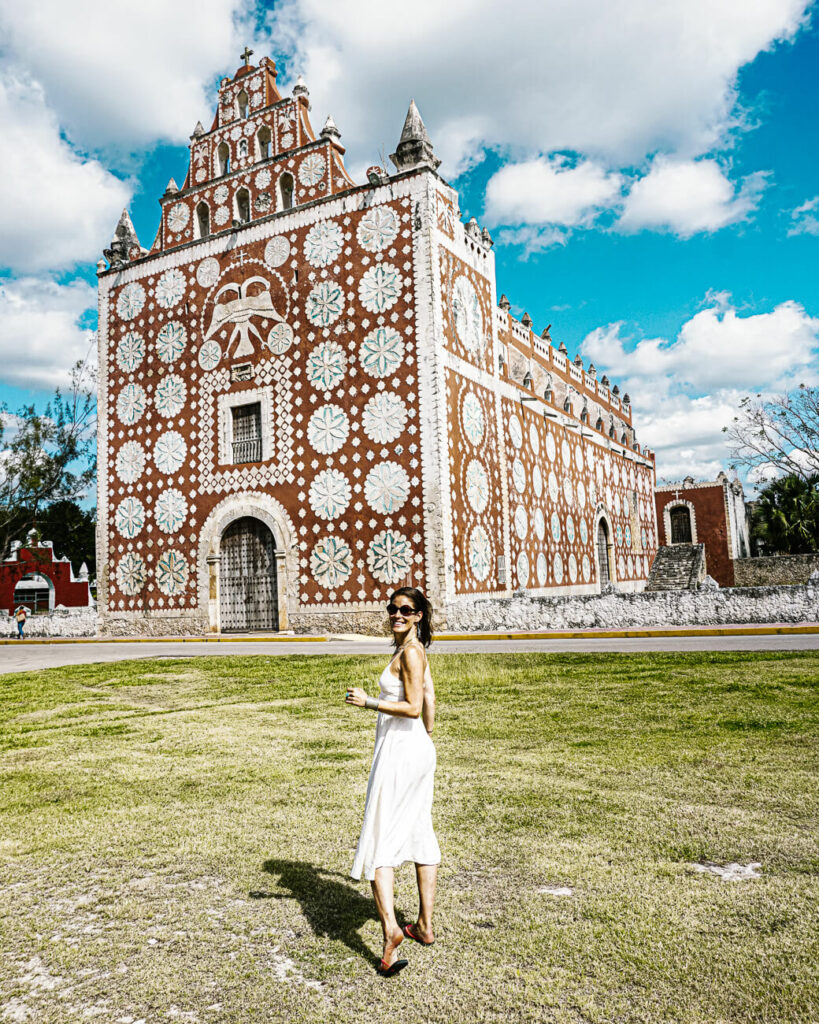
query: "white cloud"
126, 73
688, 197
550, 192
805, 218
716, 345
612, 81
42, 336
678, 388
56, 208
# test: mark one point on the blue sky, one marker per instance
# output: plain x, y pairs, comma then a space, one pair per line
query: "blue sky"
650, 174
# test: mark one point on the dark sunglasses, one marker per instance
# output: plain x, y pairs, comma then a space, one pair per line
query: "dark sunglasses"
405, 609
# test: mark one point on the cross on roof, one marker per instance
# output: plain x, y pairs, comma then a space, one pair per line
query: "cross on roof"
677, 494
247, 55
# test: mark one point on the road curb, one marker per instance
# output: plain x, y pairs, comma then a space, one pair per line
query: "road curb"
566, 634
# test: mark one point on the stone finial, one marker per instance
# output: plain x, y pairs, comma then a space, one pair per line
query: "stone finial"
330, 129
171, 188
527, 379
198, 130
688, 481
604, 381
562, 348
504, 304
486, 238
527, 321
592, 370
414, 148
124, 244
473, 230
626, 399
578, 361
83, 572
300, 88
615, 390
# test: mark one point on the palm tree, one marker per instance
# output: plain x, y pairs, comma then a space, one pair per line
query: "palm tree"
785, 518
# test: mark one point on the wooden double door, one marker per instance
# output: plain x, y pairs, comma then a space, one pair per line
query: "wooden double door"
248, 590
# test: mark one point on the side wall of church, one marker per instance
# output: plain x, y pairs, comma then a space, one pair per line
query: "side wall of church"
525, 484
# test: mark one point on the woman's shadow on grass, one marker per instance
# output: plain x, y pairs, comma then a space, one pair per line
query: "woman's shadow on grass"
332, 909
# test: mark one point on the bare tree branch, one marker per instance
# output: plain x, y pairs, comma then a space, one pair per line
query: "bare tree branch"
777, 436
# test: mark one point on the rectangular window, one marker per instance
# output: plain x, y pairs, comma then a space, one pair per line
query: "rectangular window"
247, 433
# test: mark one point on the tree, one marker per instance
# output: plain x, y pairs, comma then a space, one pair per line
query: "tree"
785, 518
777, 436
47, 457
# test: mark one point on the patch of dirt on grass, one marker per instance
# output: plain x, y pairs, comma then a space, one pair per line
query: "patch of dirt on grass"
730, 872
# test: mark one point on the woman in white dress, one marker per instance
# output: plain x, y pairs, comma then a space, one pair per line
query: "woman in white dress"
398, 810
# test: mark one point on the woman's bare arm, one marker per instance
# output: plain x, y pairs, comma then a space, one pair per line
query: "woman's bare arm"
429, 701
411, 671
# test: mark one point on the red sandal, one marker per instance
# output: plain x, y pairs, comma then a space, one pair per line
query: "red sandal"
410, 934
388, 971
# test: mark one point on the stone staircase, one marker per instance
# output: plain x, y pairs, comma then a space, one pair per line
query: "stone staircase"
678, 567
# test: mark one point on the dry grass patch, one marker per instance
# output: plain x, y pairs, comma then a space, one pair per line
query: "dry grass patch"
176, 837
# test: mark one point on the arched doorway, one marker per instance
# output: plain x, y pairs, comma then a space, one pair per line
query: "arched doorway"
35, 591
247, 577
603, 552
680, 525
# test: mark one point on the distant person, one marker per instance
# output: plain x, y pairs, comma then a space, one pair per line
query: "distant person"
398, 810
20, 616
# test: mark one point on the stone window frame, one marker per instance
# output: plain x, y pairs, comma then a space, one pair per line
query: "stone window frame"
679, 503
234, 399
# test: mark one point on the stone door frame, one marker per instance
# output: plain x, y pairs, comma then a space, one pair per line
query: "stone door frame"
269, 511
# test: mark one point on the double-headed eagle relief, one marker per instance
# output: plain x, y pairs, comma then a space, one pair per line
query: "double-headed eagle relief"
247, 307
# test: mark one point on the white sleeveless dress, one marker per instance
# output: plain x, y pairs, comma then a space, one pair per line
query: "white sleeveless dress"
398, 810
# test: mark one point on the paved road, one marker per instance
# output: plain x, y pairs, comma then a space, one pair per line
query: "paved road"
28, 657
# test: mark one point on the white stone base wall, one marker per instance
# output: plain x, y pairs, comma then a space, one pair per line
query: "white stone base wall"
61, 622
664, 609
171, 624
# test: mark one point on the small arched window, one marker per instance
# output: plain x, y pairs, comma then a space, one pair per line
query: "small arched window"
202, 220
624, 438
243, 205
567, 406
599, 424
243, 102
243, 147
286, 187
264, 140
584, 416
223, 159
611, 430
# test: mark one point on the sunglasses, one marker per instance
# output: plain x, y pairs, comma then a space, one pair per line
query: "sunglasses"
405, 609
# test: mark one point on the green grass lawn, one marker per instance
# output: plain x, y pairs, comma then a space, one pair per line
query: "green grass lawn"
176, 836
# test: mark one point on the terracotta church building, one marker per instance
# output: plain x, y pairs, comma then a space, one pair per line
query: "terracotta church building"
310, 394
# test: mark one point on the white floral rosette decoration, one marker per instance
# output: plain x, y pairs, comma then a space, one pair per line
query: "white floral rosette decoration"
130, 573
329, 494
384, 417
331, 562
389, 556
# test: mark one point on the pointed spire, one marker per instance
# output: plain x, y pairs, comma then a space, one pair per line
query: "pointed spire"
171, 187
300, 88
504, 304
198, 131
330, 129
527, 321
124, 244
414, 148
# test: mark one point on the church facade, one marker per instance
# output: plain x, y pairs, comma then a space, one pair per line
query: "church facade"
310, 395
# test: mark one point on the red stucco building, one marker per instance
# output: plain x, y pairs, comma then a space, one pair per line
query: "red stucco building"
711, 512
33, 570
